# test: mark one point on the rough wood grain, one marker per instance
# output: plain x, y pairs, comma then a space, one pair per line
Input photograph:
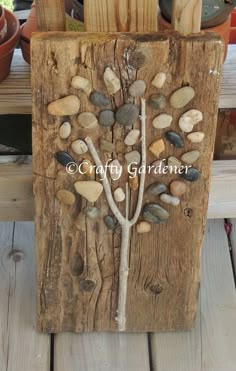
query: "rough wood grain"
50, 15
233, 241
164, 271
21, 346
121, 15
210, 346
186, 16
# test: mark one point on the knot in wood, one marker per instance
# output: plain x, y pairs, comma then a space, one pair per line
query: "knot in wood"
87, 285
16, 255
188, 212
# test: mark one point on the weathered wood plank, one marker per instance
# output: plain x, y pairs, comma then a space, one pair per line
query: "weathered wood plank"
155, 281
186, 16
233, 241
210, 346
121, 15
21, 346
101, 352
50, 15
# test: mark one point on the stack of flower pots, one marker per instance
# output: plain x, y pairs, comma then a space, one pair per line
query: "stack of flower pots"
9, 37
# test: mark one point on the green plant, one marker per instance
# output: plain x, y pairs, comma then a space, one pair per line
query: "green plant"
7, 4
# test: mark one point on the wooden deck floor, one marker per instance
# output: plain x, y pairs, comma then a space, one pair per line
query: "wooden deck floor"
209, 347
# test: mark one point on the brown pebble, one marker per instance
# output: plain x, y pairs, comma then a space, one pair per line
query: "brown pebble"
66, 197
134, 183
66, 106
143, 227
87, 168
178, 188
157, 147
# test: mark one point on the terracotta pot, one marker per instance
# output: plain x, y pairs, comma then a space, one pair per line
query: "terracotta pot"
27, 29
223, 29
232, 38
3, 25
7, 48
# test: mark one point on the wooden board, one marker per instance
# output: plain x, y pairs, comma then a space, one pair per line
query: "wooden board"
186, 16
210, 346
21, 346
164, 270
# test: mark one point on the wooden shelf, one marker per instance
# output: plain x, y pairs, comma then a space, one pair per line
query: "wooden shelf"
15, 91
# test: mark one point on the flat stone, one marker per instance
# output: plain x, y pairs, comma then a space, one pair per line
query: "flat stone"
98, 99
110, 222
178, 188
67, 106
90, 190
87, 168
157, 168
157, 101
175, 139
127, 114
134, 183
64, 158
79, 147
154, 213
65, 130
106, 146
162, 121
66, 197
189, 119
157, 147
186, 124
115, 170
174, 164
106, 118
80, 83
143, 227
190, 157
156, 189
196, 137
192, 174
133, 157
87, 120
138, 88
111, 80
159, 80
132, 137
119, 195
181, 97
92, 212
168, 199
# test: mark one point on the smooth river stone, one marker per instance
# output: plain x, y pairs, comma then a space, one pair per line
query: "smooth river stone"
143, 227
80, 83
98, 99
134, 183
79, 147
90, 190
192, 174
87, 120
67, 106
112, 82
138, 88
132, 137
119, 195
162, 121
178, 188
106, 146
127, 114
110, 222
64, 158
87, 168
65, 130
115, 170
168, 199
157, 101
175, 139
181, 97
153, 213
196, 137
189, 119
156, 189
92, 212
174, 163
159, 80
66, 197
190, 157
133, 157
106, 118
157, 147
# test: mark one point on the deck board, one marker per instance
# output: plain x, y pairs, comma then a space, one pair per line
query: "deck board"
211, 345
21, 347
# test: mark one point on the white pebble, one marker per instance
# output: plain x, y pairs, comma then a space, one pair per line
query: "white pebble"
174, 201
143, 227
196, 137
80, 83
79, 147
132, 137
119, 195
162, 121
112, 82
115, 170
65, 130
159, 80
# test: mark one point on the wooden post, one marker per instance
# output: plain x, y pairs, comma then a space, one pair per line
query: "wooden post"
186, 16
121, 15
50, 15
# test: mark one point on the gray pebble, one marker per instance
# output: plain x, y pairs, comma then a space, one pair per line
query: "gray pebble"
157, 101
127, 114
137, 89
99, 99
192, 174
175, 139
110, 222
154, 213
106, 118
156, 189
92, 212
